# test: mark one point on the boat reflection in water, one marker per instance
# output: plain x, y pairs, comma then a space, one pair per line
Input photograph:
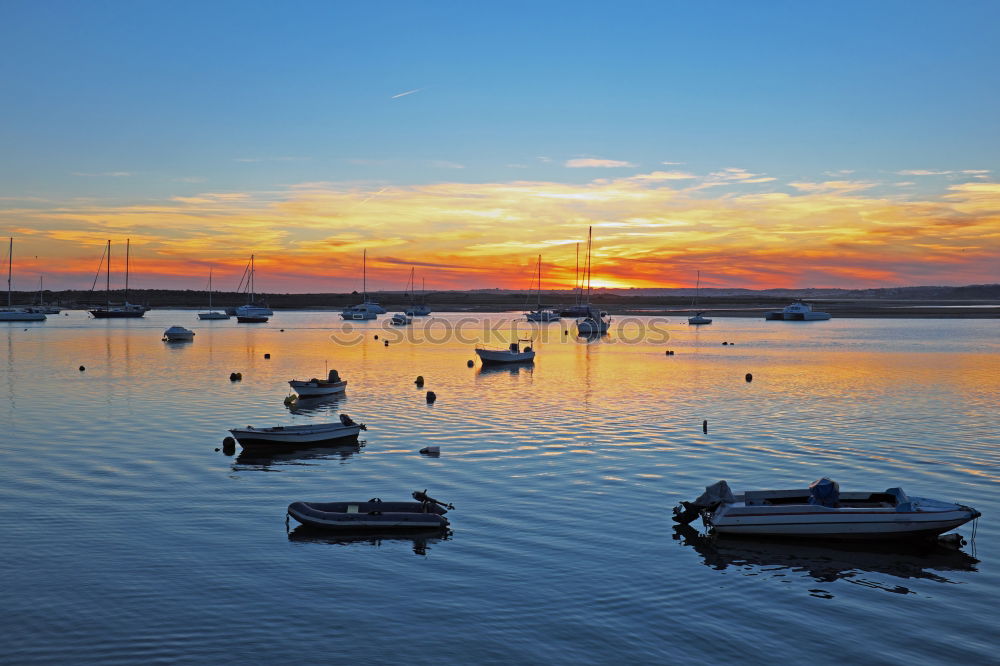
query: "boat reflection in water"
491, 369
422, 539
317, 405
265, 457
830, 561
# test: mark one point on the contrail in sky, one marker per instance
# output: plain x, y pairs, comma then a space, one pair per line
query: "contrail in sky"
408, 92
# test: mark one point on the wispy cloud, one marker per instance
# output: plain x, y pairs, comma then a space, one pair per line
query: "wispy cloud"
104, 174
671, 163
445, 164
833, 186
404, 94
593, 162
923, 172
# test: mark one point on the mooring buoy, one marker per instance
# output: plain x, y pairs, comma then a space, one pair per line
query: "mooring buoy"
749, 377
82, 368
431, 397
470, 363
235, 376
419, 381
704, 426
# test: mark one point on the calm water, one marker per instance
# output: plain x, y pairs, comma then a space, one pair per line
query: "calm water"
127, 537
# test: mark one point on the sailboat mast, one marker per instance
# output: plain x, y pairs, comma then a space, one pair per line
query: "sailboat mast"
576, 275
253, 294
364, 276
107, 289
539, 305
590, 231
128, 242
10, 263
209, 288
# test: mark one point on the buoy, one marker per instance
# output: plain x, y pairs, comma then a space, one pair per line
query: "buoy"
82, 368
267, 356
725, 343
419, 381
376, 336
749, 377
386, 342
431, 397
704, 426
289, 399
669, 352
565, 332
235, 376
228, 441
229, 446
431, 450
282, 331
470, 363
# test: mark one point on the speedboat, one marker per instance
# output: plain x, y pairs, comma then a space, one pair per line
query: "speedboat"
426, 512
301, 435
317, 387
178, 334
797, 311
821, 511
699, 320
400, 319
515, 353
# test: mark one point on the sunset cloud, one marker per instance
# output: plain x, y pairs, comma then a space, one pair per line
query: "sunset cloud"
650, 229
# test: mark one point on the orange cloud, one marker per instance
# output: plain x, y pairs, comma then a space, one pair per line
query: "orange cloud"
649, 231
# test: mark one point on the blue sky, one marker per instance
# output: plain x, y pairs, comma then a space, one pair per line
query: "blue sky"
159, 103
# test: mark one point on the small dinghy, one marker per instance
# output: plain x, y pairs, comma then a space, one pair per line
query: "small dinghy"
297, 436
515, 353
178, 334
317, 387
823, 512
426, 512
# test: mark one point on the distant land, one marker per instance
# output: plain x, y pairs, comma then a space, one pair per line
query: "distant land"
971, 301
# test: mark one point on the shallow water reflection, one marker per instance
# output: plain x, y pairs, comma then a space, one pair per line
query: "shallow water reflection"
420, 541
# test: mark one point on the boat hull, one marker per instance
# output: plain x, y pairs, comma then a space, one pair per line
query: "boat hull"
213, 315
22, 316
350, 516
503, 356
542, 317
699, 321
314, 389
818, 522
294, 436
117, 314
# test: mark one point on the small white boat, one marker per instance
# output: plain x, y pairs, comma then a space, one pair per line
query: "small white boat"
366, 309
540, 315
515, 353
253, 314
797, 311
424, 513
400, 319
698, 319
595, 323
212, 314
823, 512
178, 334
317, 387
11, 313
300, 435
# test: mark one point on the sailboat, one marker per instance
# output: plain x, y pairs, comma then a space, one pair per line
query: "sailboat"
126, 309
578, 309
595, 322
419, 307
251, 313
211, 314
42, 307
366, 309
11, 313
539, 314
698, 319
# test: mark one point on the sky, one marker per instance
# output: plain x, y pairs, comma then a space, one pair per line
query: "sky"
766, 144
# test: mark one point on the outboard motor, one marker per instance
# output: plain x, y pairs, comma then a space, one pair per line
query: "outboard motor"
714, 495
333, 377
423, 497
824, 492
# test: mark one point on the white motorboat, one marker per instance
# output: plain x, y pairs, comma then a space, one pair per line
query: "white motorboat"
400, 319
698, 319
178, 334
11, 313
823, 512
212, 314
299, 435
515, 353
126, 310
317, 387
797, 311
